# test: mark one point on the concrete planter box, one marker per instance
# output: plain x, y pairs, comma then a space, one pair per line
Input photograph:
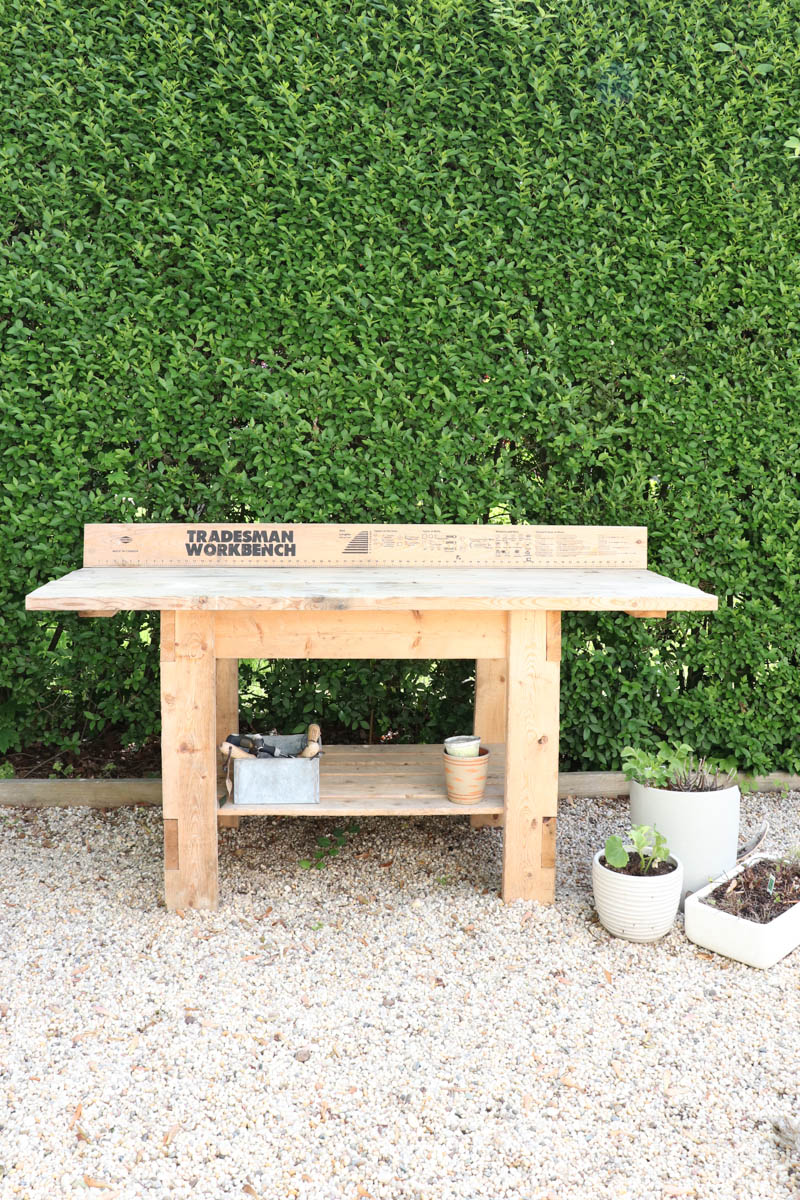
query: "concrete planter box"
735, 937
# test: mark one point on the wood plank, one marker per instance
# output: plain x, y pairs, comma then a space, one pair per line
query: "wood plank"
490, 699
389, 781
374, 786
359, 635
489, 721
281, 545
227, 718
188, 762
554, 637
123, 793
100, 612
167, 646
531, 761
451, 590
79, 793
647, 614
549, 843
357, 805
171, 852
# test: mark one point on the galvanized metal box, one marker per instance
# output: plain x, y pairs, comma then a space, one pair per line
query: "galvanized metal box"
271, 781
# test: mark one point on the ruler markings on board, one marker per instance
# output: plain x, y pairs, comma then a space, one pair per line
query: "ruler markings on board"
586, 564
261, 545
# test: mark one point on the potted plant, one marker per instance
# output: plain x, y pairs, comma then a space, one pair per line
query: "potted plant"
751, 914
692, 801
637, 888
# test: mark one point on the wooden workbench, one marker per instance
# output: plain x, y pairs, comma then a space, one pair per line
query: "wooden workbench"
492, 593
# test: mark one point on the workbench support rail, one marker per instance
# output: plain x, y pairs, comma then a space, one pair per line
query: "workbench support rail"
490, 716
189, 760
355, 634
531, 799
227, 722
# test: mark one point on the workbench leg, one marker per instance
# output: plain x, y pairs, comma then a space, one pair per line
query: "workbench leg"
227, 722
490, 717
189, 760
531, 803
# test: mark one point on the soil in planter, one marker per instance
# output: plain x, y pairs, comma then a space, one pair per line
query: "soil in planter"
634, 867
747, 895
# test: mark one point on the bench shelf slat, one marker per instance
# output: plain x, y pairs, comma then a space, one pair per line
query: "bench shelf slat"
385, 781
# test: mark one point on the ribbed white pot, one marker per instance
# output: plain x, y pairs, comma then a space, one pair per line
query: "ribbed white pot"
701, 828
640, 908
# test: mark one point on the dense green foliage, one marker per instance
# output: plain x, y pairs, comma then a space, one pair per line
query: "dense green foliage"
311, 260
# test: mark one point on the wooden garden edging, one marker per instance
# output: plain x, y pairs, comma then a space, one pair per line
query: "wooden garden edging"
120, 793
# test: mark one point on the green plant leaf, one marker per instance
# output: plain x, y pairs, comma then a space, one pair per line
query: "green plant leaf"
615, 852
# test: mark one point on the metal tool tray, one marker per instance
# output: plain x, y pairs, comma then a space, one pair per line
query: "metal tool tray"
277, 780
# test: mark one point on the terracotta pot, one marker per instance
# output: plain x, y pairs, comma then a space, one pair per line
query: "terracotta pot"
466, 777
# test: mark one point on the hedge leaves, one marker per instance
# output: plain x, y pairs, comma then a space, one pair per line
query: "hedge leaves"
405, 262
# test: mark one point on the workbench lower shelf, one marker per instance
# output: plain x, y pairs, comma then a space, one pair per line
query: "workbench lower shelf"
400, 781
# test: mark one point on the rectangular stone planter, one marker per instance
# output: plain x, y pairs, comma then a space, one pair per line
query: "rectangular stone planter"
746, 941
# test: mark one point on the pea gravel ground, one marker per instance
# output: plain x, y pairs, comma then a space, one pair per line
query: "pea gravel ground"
384, 1028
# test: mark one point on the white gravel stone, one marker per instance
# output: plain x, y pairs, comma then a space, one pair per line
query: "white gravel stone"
383, 1028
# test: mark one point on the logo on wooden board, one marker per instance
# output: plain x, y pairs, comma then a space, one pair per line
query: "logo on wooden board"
359, 544
240, 543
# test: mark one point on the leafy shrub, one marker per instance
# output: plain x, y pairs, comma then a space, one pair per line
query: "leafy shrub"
409, 262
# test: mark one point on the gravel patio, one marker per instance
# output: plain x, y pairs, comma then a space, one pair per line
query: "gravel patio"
382, 1028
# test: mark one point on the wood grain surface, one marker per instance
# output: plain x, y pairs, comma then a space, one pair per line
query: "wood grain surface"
455, 590
531, 759
259, 545
189, 762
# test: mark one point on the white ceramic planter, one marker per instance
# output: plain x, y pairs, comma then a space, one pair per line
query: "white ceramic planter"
746, 941
701, 828
640, 908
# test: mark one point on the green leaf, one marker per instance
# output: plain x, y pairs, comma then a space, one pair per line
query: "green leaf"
615, 852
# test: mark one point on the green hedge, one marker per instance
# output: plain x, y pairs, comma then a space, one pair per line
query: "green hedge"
434, 261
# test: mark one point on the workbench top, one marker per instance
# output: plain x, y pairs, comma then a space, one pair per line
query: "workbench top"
108, 589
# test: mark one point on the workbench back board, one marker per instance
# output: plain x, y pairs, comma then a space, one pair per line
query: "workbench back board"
252, 545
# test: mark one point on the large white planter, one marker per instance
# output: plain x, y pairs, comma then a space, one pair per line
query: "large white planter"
640, 908
701, 828
746, 941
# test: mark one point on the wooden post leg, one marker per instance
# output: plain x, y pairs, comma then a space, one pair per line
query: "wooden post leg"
490, 716
531, 804
188, 760
227, 722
